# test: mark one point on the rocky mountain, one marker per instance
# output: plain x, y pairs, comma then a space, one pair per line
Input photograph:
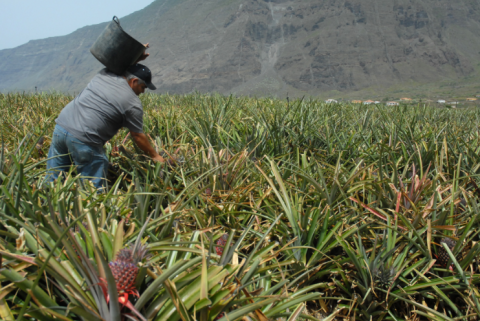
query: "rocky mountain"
271, 47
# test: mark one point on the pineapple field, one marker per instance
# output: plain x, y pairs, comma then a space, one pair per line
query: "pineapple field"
269, 210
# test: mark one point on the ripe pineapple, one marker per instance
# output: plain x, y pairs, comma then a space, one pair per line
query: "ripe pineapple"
125, 274
125, 271
221, 242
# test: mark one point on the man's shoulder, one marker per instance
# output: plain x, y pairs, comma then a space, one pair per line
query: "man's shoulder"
106, 80
106, 74
114, 89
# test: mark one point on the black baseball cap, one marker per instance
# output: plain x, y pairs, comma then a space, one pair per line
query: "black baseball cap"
143, 73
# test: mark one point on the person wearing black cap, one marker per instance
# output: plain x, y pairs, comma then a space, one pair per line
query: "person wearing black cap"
108, 103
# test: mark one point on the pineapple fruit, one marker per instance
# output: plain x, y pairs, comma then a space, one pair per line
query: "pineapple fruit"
442, 253
125, 271
221, 242
443, 256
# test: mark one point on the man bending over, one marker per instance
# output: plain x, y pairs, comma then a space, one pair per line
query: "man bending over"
108, 103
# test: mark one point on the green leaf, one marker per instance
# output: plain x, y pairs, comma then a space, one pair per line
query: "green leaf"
115, 313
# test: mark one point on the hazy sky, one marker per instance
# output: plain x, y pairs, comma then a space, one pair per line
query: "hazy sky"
24, 20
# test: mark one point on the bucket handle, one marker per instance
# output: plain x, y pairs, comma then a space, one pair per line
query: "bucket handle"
117, 21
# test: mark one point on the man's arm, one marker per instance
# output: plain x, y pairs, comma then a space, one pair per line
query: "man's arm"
142, 142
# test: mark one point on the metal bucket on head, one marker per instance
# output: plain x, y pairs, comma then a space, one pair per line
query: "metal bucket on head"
116, 49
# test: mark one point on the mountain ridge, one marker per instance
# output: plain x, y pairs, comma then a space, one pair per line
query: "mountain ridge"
274, 47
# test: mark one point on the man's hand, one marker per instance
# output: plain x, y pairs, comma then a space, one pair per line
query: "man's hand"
158, 159
144, 55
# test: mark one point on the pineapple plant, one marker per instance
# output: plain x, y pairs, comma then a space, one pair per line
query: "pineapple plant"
309, 162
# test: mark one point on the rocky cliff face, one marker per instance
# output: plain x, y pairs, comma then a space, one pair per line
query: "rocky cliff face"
271, 47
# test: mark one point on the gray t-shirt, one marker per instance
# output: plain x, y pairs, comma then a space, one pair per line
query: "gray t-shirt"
101, 109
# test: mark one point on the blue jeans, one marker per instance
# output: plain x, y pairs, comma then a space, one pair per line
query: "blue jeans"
65, 150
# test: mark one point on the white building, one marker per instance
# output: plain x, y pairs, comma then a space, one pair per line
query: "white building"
441, 101
392, 103
329, 101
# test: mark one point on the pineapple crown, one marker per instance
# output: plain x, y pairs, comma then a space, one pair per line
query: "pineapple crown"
128, 255
384, 275
450, 243
224, 237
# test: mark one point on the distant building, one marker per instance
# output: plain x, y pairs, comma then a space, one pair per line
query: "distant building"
405, 99
329, 101
453, 103
471, 99
392, 103
376, 102
357, 101
441, 101
368, 102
